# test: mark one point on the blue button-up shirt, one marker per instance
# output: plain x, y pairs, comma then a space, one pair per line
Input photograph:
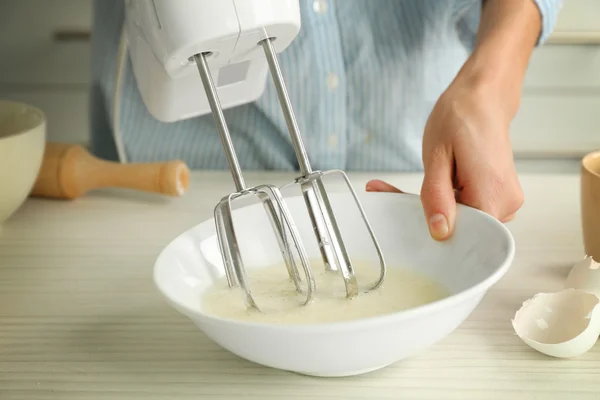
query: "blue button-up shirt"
363, 76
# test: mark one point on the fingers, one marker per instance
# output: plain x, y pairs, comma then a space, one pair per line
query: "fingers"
499, 197
377, 185
437, 194
491, 209
508, 218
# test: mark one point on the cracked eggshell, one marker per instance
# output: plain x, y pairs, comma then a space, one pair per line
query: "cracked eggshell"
585, 275
564, 324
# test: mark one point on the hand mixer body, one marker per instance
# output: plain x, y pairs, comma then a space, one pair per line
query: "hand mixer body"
163, 36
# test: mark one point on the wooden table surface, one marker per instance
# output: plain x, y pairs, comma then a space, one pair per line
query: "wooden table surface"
81, 319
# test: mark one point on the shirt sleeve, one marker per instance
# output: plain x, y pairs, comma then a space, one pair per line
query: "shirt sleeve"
469, 23
549, 10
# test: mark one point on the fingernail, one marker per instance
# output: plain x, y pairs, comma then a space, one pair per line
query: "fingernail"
438, 226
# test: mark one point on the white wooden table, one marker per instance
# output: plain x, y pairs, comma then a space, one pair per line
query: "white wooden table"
81, 319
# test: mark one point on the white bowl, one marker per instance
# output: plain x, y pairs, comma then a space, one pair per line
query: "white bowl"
22, 143
475, 258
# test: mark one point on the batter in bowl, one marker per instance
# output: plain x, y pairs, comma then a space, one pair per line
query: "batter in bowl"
279, 302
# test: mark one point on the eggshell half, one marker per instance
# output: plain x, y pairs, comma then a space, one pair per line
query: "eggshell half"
585, 275
564, 324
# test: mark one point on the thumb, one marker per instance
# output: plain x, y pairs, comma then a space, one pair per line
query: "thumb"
437, 194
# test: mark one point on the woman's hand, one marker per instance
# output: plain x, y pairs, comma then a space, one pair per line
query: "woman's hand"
467, 157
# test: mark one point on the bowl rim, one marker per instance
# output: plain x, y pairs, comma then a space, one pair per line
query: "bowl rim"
32, 108
385, 319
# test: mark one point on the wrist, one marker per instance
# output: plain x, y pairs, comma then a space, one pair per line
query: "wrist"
492, 82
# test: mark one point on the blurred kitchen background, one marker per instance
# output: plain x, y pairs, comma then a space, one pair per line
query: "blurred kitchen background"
45, 61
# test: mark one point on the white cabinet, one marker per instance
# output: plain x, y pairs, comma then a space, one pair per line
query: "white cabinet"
66, 112
45, 61
579, 16
44, 42
560, 109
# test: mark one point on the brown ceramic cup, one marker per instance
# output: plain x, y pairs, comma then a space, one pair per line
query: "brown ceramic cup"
590, 204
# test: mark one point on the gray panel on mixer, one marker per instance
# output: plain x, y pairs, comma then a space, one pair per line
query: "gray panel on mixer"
233, 73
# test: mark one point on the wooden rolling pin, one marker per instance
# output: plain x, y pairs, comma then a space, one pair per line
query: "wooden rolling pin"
70, 171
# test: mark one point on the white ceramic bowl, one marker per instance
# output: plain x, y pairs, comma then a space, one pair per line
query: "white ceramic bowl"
22, 143
475, 258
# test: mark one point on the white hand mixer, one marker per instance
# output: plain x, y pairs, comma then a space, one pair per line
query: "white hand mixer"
175, 45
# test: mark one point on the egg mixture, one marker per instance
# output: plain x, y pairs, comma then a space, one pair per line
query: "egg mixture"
280, 303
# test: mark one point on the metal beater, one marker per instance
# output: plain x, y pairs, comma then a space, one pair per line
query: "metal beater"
324, 223
269, 195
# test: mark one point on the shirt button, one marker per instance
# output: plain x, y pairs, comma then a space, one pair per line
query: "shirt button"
333, 81
320, 6
333, 141
368, 137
